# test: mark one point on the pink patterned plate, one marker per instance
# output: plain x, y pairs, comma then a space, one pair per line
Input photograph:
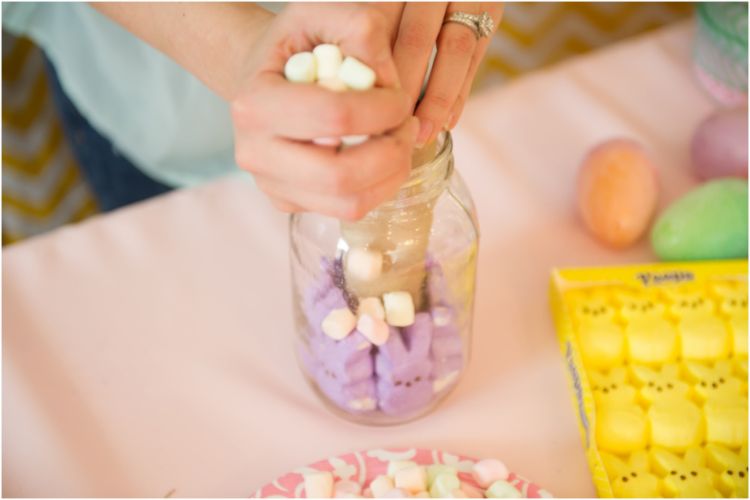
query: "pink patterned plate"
364, 466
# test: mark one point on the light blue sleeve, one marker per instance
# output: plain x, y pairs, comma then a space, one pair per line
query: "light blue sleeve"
158, 115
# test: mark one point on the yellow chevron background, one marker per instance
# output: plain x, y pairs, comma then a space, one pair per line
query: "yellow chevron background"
42, 186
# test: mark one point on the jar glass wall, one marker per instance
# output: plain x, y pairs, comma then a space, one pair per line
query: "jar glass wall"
425, 240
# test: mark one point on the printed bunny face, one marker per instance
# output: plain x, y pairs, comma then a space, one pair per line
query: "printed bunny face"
636, 307
691, 306
659, 384
344, 370
403, 367
631, 479
612, 389
684, 477
714, 382
731, 468
593, 311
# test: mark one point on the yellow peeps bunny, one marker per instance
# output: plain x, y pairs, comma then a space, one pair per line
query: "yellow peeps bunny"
686, 477
601, 340
704, 337
612, 388
731, 468
714, 382
650, 338
734, 309
631, 479
660, 383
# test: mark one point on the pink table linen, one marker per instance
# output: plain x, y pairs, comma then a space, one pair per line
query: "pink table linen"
148, 352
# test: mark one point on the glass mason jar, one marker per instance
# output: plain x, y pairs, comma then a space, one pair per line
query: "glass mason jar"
425, 240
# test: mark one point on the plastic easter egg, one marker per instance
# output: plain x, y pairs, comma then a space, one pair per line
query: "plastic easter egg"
719, 146
709, 222
617, 192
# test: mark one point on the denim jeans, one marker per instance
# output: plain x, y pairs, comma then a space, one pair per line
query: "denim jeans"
112, 178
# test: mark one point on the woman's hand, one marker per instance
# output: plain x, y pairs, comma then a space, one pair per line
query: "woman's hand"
415, 29
275, 120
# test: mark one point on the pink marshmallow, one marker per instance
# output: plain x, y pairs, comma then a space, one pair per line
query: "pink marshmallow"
486, 472
471, 491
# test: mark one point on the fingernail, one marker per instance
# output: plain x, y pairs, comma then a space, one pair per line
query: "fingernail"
425, 131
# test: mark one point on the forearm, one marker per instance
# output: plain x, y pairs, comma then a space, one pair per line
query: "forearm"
210, 40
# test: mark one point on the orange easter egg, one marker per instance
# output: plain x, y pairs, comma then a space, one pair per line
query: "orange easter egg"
617, 192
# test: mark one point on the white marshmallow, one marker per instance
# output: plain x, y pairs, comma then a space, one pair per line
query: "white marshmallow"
444, 381
346, 489
399, 308
319, 485
374, 329
380, 486
300, 68
328, 58
327, 141
353, 140
411, 479
335, 84
356, 74
488, 471
397, 465
371, 306
396, 493
363, 264
362, 404
339, 323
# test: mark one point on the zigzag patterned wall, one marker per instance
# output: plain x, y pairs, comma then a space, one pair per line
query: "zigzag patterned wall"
42, 186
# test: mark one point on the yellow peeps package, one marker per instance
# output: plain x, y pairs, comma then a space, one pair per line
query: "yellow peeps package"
657, 360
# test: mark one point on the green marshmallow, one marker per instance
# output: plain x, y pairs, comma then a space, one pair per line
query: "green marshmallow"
444, 484
709, 222
502, 489
435, 470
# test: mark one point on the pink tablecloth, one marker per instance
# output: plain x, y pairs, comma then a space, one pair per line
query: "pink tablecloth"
149, 351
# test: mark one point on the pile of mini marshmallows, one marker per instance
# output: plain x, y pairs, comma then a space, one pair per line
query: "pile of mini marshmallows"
373, 316
406, 479
327, 67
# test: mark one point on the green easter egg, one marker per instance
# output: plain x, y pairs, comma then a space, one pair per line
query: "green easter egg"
709, 222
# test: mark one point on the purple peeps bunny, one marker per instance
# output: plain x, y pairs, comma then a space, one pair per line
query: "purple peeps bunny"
446, 351
403, 368
343, 370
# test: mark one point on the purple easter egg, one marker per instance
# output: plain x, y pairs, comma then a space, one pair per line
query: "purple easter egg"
719, 146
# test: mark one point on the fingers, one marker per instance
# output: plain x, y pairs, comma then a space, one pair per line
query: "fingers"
303, 111
347, 184
418, 30
458, 56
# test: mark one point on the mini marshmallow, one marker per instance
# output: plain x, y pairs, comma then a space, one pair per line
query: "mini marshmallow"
371, 306
397, 493
319, 485
399, 308
300, 68
362, 404
339, 323
356, 74
411, 479
486, 472
502, 489
443, 382
435, 470
421, 494
363, 264
380, 486
346, 489
327, 141
374, 329
397, 465
328, 60
354, 140
335, 84
444, 485
459, 494
471, 491
367, 493
441, 316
